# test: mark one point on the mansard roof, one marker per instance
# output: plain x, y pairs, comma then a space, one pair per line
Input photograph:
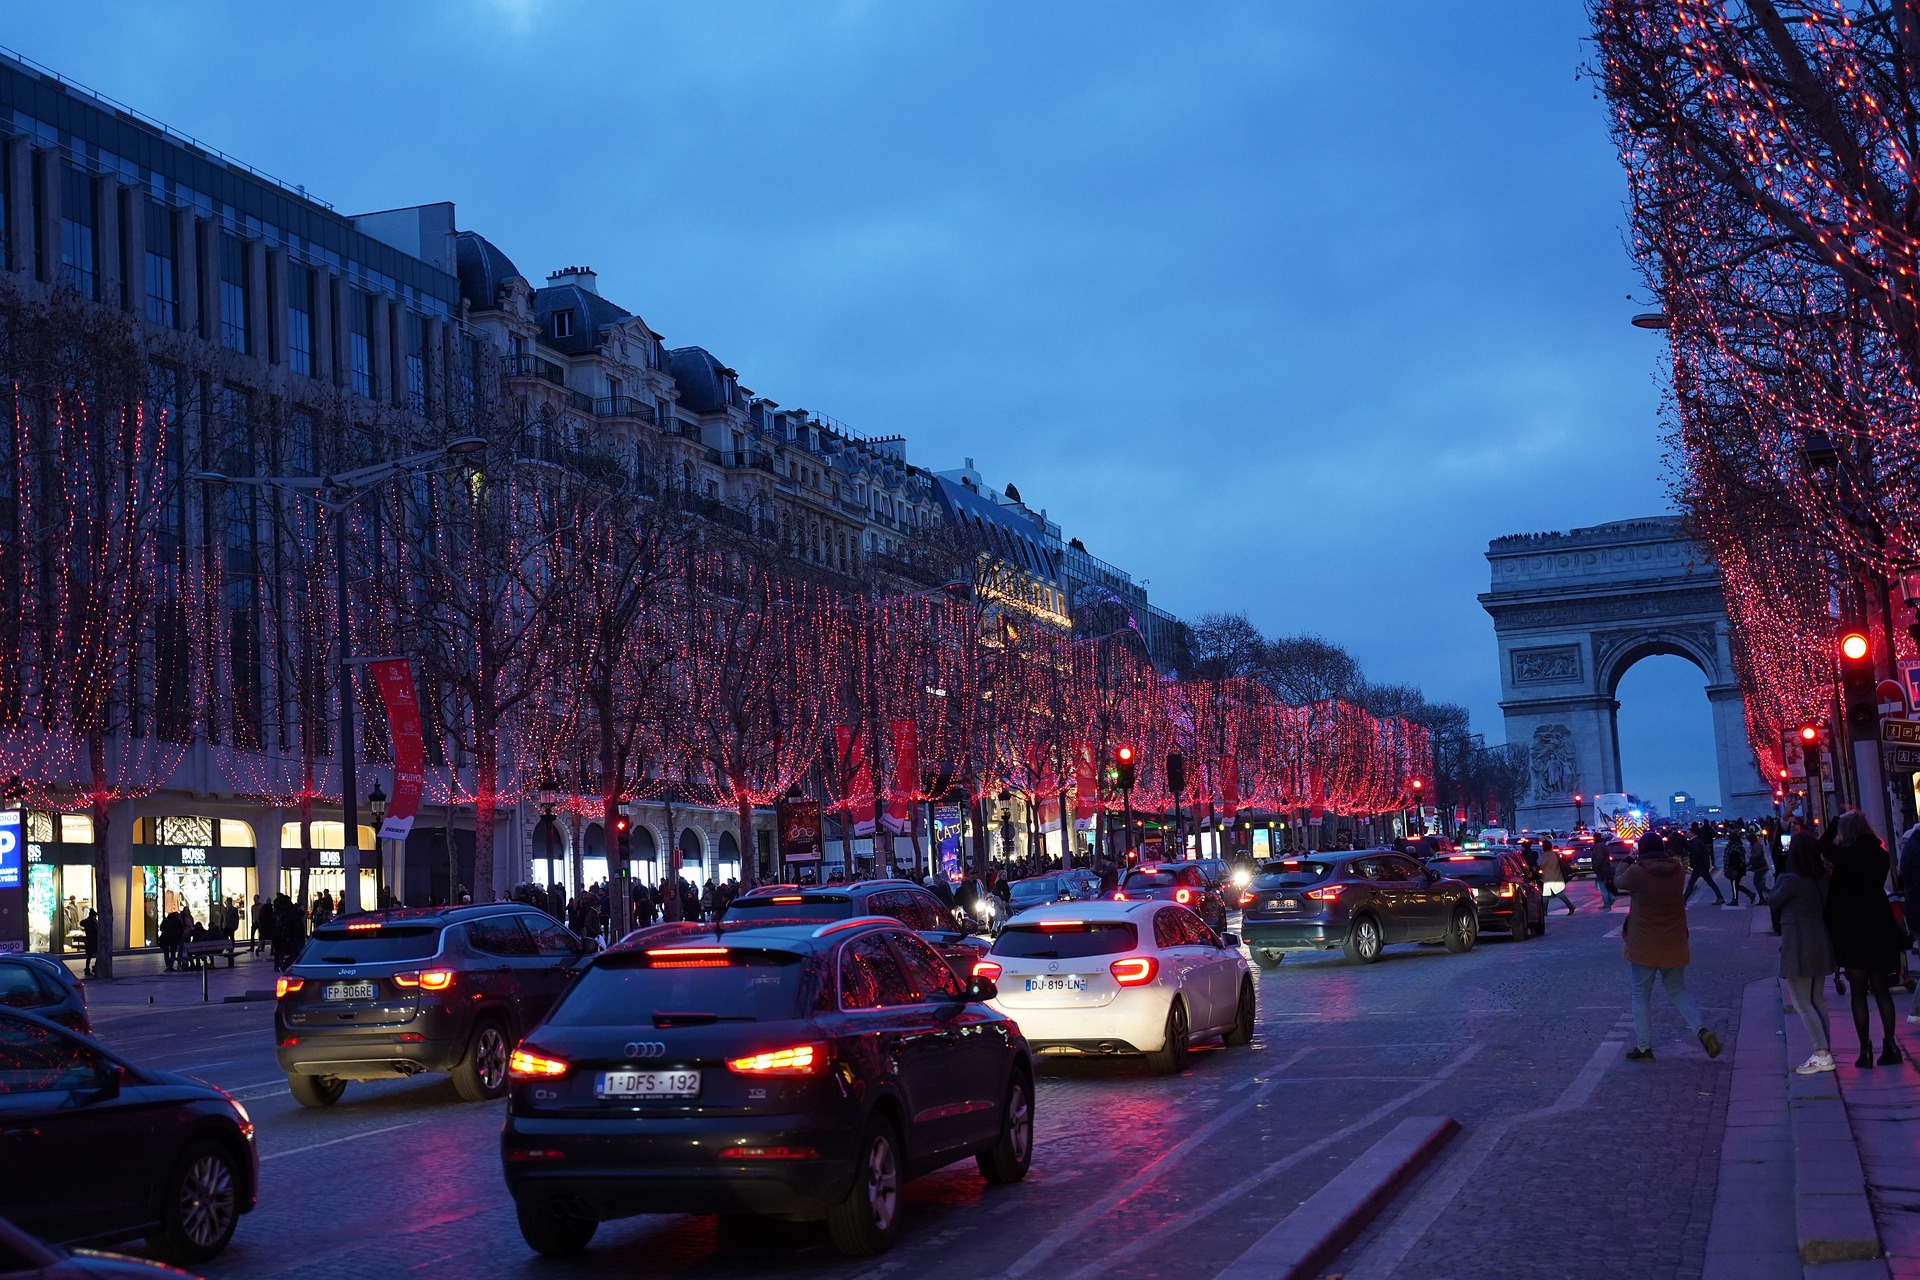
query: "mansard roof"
482, 268
701, 377
593, 315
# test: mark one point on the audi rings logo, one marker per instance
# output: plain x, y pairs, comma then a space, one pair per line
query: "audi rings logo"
646, 1049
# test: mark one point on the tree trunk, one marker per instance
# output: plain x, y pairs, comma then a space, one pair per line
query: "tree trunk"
306, 842
749, 852
485, 763
670, 879
1066, 834
103, 933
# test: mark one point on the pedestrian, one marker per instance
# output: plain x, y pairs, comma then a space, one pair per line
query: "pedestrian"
1736, 865
89, 940
1656, 940
1756, 842
1866, 941
169, 938
1806, 949
1700, 858
1910, 893
1553, 881
261, 919
1603, 871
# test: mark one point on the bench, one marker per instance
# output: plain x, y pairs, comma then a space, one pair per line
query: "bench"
198, 954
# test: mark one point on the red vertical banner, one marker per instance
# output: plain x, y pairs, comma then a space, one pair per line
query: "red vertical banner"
856, 780
1230, 786
906, 774
395, 678
1086, 783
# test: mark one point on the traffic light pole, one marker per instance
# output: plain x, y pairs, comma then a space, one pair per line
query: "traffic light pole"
1126, 803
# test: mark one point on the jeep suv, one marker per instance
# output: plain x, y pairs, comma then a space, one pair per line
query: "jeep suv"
390, 994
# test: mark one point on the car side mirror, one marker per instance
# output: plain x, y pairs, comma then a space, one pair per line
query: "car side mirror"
1229, 940
980, 990
107, 1082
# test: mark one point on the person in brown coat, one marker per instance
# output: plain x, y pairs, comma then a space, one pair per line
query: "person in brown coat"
1656, 938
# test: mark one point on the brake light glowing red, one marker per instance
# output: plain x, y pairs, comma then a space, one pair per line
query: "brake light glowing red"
1134, 971
1120, 895
1327, 894
688, 957
282, 986
363, 928
528, 1065
986, 969
1505, 891
426, 979
1061, 926
1246, 899
769, 1153
801, 1060
787, 899
1183, 896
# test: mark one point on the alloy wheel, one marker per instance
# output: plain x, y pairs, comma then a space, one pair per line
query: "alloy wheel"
1369, 939
207, 1201
1019, 1122
490, 1056
883, 1183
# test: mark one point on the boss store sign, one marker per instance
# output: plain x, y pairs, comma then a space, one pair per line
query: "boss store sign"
192, 855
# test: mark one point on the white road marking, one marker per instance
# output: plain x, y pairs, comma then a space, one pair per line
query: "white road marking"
1071, 1230
1383, 1258
334, 1142
1252, 1182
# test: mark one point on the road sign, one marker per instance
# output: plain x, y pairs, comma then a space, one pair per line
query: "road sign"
1901, 733
1893, 700
1901, 758
1910, 677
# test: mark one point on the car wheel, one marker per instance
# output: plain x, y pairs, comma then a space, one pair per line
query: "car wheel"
1519, 926
1010, 1158
1268, 959
1171, 1058
553, 1235
1241, 1032
1363, 941
482, 1074
316, 1091
200, 1205
866, 1222
1466, 929
1540, 930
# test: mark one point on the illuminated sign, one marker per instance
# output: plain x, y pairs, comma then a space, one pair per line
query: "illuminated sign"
329, 857
10, 849
191, 857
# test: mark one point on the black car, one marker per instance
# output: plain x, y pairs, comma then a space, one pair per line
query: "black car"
24, 1258
397, 993
793, 1069
95, 1150
1181, 882
1058, 886
1506, 893
45, 986
901, 900
1357, 902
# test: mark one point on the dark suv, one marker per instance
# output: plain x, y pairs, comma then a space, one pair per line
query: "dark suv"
1182, 882
396, 993
797, 1069
901, 900
1359, 902
1506, 892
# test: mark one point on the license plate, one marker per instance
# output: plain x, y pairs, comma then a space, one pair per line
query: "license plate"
1287, 902
347, 991
1058, 982
648, 1084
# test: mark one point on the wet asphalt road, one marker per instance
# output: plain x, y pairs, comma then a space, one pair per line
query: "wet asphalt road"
1133, 1175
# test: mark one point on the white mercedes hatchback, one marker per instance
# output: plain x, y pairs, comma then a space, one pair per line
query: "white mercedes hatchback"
1120, 977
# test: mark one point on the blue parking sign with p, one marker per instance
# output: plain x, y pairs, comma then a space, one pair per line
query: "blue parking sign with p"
10, 849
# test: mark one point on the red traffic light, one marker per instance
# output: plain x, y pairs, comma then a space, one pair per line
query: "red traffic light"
1417, 784
1809, 733
1124, 754
621, 824
1854, 646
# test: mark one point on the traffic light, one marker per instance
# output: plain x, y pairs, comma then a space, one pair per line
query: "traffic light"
1857, 682
1123, 768
1176, 772
1809, 735
622, 830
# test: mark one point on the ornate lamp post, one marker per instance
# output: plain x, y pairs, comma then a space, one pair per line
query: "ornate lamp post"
377, 807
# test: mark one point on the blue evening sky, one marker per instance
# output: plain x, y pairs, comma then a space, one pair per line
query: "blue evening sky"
1286, 307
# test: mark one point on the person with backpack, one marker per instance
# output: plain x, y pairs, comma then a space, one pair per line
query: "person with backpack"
1736, 865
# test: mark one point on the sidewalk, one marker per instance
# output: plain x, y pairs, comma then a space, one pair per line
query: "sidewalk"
1819, 1175
141, 984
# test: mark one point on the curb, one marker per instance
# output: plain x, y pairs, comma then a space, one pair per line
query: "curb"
1832, 1212
1327, 1221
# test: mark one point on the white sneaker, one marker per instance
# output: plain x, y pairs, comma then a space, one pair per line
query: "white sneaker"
1816, 1064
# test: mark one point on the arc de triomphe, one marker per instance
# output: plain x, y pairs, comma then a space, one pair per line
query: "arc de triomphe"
1572, 612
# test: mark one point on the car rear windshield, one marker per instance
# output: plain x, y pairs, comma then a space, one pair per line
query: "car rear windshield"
1064, 940
791, 906
630, 989
350, 945
1465, 868
1285, 875
1150, 879
1045, 887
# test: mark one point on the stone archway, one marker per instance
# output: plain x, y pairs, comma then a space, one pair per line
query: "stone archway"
1572, 612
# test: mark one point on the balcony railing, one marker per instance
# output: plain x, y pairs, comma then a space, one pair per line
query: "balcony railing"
580, 400
732, 458
624, 407
533, 367
855, 506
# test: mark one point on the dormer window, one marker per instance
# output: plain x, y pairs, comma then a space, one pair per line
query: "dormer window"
563, 323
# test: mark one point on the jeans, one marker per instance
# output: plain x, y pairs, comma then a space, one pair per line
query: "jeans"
1675, 981
1695, 879
1810, 1002
1607, 896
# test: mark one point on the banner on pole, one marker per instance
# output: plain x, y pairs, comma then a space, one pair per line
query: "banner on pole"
1230, 787
395, 678
946, 839
856, 796
1086, 784
906, 775
799, 823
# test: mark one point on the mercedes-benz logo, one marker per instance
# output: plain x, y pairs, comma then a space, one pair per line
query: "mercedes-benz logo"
1053, 966
646, 1049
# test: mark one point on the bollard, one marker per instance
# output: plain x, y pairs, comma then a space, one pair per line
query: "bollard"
204, 971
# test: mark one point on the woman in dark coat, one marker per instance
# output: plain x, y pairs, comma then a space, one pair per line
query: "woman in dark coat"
1866, 940
1799, 897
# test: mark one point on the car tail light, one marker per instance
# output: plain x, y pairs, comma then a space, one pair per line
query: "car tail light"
519, 1155
1327, 894
801, 1060
687, 957
1506, 891
1120, 895
769, 1153
364, 928
426, 979
1183, 896
1062, 926
1246, 899
528, 1065
986, 969
288, 1042
282, 987
1134, 971
789, 899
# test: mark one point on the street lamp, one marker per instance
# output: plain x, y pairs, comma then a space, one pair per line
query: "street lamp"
338, 494
377, 806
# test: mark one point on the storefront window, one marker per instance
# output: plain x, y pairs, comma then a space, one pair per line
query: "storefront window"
325, 873
59, 866
202, 865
